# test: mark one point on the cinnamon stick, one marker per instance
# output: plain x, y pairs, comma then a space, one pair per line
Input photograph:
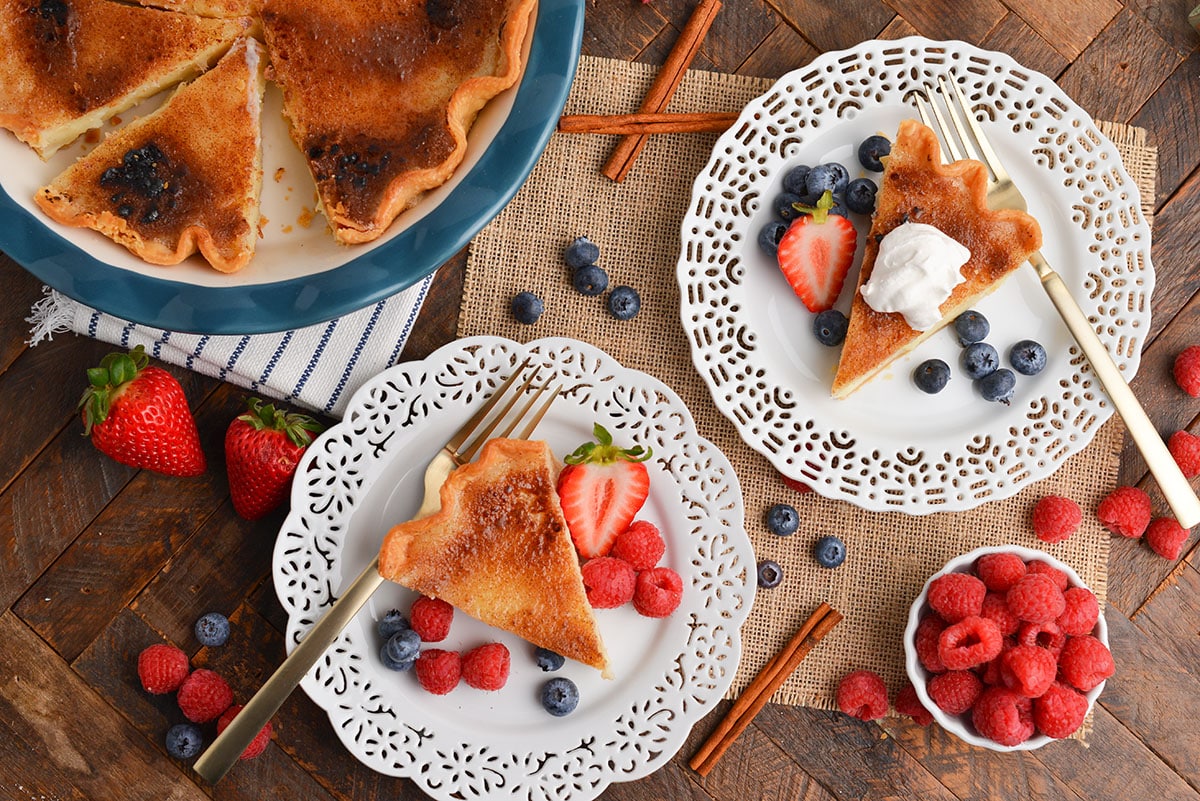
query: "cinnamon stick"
759, 691
647, 123
665, 83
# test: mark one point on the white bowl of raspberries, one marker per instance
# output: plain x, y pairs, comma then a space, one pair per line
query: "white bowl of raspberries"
1007, 648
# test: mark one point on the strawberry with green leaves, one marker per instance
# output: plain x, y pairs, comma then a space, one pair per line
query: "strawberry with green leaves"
816, 252
262, 448
137, 414
601, 490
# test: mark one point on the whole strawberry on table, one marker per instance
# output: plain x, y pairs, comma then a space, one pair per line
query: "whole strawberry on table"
262, 448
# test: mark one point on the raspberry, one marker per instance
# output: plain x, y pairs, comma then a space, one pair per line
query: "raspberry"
1027, 669
989, 672
926, 641
1059, 577
486, 667
430, 618
1036, 599
1185, 447
1166, 537
908, 703
1055, 518
438, 671
657, 592
956, 596
1003, 716
258, 744
609, 581
1085, 662
970, 642
798, 486
162, 668
1059, 711
999, 571
1049, 636
1187, 370
861, 694
1126, 511
203, 696
640, 545
996, 610
1082, 612
955, 691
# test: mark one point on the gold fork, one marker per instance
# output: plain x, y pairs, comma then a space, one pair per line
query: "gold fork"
462, 447
963, 137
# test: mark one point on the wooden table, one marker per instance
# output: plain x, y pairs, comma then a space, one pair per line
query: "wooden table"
96, 557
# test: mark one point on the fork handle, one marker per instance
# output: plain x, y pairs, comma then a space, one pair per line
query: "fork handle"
1175, 487
225, 751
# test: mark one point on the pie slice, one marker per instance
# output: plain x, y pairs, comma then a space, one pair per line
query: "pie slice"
917, 188
185, 177
67, 66
499, 550
379, 95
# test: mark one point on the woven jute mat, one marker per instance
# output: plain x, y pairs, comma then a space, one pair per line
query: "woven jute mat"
636, 223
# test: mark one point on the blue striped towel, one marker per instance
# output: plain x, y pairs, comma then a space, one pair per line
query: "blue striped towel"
318, 367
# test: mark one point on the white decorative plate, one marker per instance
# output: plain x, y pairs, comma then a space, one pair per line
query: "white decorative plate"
365, 475
889, 446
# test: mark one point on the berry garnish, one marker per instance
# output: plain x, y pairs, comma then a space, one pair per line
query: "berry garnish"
400, 650
829, 177
438, 671
862, 694
998, 386
860, 195
1186, 370
258, 744
624, 303
829, 551
769, 574
486, 666
1003, 716
770, 235
872, 150
430, 618
794, 179
815, 255
608, 581
203, 696
162, 668
560, 696
785, 205
262, 448
657, 592
184, 740
548, 660
527, 308
782, 519
581, 252
601, 489
829, 327
971, 326
641, 545
956, 596
1055, 518
590, 280
1166, 537
1027, 357
212, 629
392, 622
1125, 511
1185, 448
979, 359
931, 376
1085, 662
1036, 598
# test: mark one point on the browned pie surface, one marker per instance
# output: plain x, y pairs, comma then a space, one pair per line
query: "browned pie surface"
379, 95
917, 187
500, 551
207, 8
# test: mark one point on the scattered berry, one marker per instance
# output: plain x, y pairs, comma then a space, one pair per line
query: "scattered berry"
212, 629
829, 177
931, 376
590, 280
785, 206
1125, 511
872, 150
548, 660
258, 744
1036, 598
783, 520
527, 307
399, 651
162, 668
1027, 669
1085, 662
770, 574
860, 195
829, 551
1059, 711
486, 666
1027, 357
770, 235
829, 327
1166, 537
657, 592
609, 581
969, 642
1185, 447
1187, 370
263, 446
955, 691
909, 703
438, 671
392, 622
1055, 518
1081, 613
560, 696
184, 740
979, 359
861, 694
624, 302
1000, 571
1003, 716
998, 386
955, 596
581, 252
815, 254
641, 545
430, 618
928, 634
203, 696
971, 327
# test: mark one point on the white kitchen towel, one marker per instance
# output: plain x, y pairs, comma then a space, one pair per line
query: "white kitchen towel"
318, 367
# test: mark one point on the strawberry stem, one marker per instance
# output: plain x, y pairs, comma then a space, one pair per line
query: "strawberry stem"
602, 451
820, 212
299, 428
115, 371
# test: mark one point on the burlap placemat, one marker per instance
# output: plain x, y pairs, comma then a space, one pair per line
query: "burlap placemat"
636, 223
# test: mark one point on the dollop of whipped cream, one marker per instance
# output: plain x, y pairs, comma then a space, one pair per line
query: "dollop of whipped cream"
916, 269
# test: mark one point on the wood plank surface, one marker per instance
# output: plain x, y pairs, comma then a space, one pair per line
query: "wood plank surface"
98, 560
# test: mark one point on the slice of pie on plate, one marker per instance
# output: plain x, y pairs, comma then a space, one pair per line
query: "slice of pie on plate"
186, 177
379, 94
206, 8
67, 66
500, 551
917, 188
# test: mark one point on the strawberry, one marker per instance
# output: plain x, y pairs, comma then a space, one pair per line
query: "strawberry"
138, 415
601, 489
262, 449
816, 252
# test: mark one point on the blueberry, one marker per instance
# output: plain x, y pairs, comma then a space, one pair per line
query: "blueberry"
184, 740
871, 150
793, 179
998, 385
979, 359
971, 326
624, 303
1027, 357
527, 307
212, 629
783, 519
391, 623
830, 176
784, 206
769, 236
769, 574
860, 195
581, 252
547, 660
829, 551
931, 376
590, 280
560, 696
829, 327
401, 649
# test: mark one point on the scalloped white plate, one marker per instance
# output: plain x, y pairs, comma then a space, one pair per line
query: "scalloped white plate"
365, 475
889, 446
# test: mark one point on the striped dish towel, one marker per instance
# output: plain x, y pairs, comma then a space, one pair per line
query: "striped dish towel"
318, 367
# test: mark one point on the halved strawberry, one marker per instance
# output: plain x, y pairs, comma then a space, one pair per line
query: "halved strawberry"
601, 490
815, 254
